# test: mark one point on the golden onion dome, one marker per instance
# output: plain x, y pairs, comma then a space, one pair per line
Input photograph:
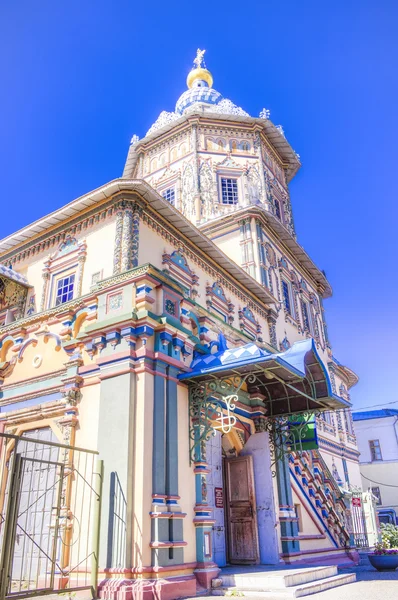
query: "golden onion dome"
199, 74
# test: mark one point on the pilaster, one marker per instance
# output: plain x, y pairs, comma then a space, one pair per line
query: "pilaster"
287, 515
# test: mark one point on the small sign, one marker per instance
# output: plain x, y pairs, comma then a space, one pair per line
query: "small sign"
219, 497
356, 502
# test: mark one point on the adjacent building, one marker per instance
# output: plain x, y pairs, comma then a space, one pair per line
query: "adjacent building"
377, 438
164, 349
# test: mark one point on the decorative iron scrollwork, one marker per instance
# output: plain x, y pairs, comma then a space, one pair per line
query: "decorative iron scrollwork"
287, 434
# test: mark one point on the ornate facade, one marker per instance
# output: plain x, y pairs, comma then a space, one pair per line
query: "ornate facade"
118, 320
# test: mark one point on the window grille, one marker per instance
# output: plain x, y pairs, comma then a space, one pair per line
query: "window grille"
169, 195
64, 291
229, 191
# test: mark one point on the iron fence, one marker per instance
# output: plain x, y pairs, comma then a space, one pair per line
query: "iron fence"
50, 498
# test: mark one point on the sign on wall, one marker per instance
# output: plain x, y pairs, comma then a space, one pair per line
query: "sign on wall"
218, 497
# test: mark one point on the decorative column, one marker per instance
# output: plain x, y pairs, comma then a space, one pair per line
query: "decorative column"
271, 320
81, 260
287, 516
135, 236
127, 237
258, 147
206, 569
118, 242
196, 189
46, 279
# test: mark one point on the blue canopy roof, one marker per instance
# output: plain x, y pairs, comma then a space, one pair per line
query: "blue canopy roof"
292, 381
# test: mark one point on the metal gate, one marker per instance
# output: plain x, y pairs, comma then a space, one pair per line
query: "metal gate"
358, 522
50, 498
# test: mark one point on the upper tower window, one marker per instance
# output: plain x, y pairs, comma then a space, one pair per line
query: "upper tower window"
277, 209
229, 190
169, 195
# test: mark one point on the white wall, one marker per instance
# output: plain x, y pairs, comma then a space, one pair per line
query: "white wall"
377, 429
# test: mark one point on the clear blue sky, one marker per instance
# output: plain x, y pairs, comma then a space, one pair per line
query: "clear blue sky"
79, 78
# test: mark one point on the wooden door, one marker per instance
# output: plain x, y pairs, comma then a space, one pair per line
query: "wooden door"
241, 511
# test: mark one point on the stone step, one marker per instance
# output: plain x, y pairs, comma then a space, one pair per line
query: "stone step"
274, 580
296, 591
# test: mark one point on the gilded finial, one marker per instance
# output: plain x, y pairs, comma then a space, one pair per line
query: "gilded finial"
199, 73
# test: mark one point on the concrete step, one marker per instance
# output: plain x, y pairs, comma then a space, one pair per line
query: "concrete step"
275, 580
296, 591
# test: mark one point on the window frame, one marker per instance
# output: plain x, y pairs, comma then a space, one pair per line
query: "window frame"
290, 297
233, 178
171, 188
372, 447
377, 494
58, 276
307, 305
278, 209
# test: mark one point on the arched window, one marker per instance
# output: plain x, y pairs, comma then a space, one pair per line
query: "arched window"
162, 159
183, 149
154, 164
220, 144
233, 145
209, 144
174, 154
245, 146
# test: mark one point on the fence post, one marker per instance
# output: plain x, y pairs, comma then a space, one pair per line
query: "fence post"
10, 524
97, 487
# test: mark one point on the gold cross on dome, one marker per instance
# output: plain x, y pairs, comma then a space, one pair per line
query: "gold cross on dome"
199, 60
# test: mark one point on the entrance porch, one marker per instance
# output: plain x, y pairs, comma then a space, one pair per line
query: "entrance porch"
250, 410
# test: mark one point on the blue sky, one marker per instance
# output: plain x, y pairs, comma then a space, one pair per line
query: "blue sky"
80, 78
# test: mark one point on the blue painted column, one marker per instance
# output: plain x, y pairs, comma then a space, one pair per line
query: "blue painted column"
167, 518
287, 514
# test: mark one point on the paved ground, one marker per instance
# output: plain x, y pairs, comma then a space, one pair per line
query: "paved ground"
370, 585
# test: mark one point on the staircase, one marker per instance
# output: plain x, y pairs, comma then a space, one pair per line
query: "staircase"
278, 584
322, 493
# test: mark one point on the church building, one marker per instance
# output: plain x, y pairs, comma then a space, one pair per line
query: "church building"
166, 371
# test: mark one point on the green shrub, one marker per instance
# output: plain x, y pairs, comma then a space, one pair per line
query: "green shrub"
389, 535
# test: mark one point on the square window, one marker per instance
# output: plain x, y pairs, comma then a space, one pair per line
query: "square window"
64, 290
229, 191
375, 450
169, 195
286, 297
